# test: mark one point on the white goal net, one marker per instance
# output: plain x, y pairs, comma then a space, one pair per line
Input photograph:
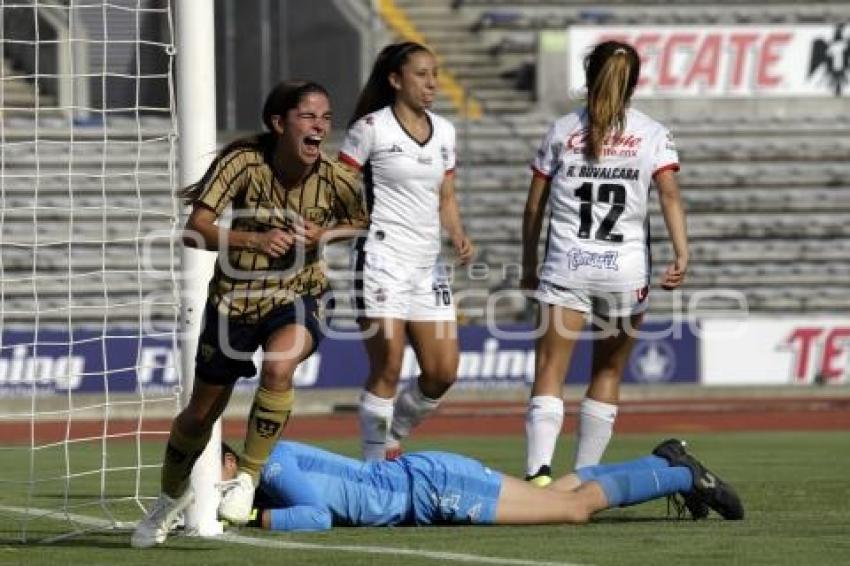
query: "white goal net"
89, 292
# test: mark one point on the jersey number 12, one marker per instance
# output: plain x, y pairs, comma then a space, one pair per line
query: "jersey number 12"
610, 193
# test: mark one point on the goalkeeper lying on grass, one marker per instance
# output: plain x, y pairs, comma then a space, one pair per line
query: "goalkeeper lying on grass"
303, 488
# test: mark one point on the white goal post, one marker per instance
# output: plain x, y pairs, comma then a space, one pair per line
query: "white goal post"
195, 72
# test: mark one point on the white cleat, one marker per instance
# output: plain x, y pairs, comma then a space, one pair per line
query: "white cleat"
161, 518
237, 499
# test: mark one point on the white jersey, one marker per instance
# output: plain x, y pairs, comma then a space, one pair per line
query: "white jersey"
402, 180
598, 231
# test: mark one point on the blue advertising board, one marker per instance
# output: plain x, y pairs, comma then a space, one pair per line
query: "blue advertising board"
90, 360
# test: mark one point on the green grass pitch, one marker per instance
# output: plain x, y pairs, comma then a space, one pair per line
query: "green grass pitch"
796, 488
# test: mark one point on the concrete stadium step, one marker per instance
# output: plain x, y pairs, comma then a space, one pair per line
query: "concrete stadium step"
487, 82
509, 106
19, 94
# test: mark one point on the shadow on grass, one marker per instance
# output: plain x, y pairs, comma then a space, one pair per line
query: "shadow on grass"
104, 540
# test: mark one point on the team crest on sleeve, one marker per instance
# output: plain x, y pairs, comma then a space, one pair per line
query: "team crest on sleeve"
670, 143
369, 120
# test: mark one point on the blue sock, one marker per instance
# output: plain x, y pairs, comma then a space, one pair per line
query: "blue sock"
637, 486
646, 463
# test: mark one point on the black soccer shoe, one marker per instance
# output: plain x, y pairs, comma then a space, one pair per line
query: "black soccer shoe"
542, 478
709, 490
673, 451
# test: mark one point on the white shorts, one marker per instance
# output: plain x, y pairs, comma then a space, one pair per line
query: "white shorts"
387, 288
607, 304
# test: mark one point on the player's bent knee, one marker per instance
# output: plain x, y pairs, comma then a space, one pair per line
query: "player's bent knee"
277, 376
439, 378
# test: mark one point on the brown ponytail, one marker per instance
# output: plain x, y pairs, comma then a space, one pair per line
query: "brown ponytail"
612, 71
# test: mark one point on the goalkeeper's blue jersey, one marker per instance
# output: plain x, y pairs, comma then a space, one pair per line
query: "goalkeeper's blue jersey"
308, 488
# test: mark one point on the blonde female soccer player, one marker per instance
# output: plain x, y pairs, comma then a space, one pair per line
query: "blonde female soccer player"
407, 157
595, 168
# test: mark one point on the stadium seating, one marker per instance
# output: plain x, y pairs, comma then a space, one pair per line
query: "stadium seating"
767, 210
72, 210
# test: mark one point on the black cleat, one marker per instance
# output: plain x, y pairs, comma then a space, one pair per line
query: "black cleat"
542, 478
709, 490
673, 451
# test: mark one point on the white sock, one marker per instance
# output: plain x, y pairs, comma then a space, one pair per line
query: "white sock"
411, 407
543, 422
376, 414
595, 427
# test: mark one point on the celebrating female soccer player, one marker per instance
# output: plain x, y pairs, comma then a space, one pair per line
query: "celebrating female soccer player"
407, 155
595, 167
268, 284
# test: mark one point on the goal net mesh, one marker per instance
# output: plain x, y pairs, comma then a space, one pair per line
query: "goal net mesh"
88, 261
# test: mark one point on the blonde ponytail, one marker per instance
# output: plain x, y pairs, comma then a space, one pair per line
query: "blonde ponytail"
612, 73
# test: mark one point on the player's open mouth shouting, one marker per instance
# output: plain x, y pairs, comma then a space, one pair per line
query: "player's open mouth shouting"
311, 145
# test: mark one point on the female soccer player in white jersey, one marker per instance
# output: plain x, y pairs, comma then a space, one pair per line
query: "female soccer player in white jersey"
407, 156
595, 167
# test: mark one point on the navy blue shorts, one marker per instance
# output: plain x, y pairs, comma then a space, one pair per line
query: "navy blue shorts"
226, 345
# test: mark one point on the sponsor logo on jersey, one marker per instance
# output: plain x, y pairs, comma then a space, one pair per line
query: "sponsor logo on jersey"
580, 258
396, 149
626, 145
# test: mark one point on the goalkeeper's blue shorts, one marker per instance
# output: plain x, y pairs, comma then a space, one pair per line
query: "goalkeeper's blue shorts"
448, 488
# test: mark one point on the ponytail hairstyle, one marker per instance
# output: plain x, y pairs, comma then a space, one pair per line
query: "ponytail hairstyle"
611, 72
283, 98
378, 91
